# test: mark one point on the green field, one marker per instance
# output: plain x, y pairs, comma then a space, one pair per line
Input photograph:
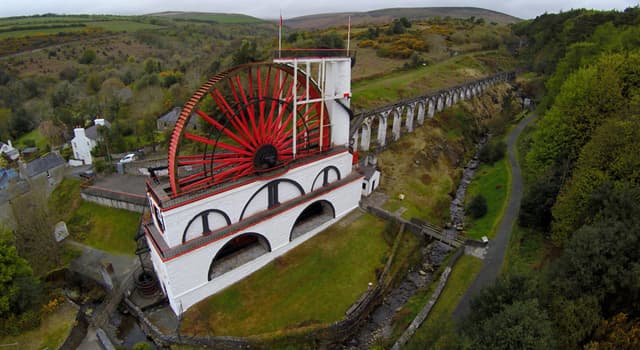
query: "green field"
438, 331
493, 182
312, 285
105, 228
415, 82
101, 227
70, 25
223, 18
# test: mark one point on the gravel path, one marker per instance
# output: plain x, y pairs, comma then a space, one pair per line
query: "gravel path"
492, 263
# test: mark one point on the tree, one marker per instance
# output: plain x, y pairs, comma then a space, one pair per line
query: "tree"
609, 157
521, 325
331, 40
88, 57
53, 132
508, 289
5, 124
19, 290
617, 333
247, 53
602, 258
477, 208
34, 234
537, 202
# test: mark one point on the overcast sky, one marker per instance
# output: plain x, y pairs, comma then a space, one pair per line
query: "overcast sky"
269, 9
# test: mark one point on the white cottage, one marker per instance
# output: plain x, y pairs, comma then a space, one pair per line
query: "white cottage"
85, 140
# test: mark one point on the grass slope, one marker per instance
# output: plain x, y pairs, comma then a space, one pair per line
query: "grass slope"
225, 18
49, 335
404, 84
313, 284
493, 182
438, 330
327, 20
101, 227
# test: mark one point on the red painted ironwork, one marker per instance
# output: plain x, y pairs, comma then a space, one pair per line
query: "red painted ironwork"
244, 119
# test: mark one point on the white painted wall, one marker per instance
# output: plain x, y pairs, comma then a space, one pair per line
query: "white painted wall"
186, 277
233, 201
82, 146
370, 185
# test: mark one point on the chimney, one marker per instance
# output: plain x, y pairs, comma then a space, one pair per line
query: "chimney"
79, 132
99, 121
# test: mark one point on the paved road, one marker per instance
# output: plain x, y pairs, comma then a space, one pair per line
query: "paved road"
492, 264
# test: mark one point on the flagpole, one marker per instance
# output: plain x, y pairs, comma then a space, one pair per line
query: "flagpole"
280, 37
348, 35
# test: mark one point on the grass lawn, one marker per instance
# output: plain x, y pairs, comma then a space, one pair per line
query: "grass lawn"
526, 251
101, 227
438, 330
105, 228
415, 82
51, 333
35, 135
494, 183
312, 285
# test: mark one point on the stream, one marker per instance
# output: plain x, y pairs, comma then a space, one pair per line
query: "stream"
379, 326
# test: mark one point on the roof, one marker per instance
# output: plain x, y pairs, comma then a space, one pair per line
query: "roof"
172, 116
5, 176
92, 131
368, 172
11, 152
40, 165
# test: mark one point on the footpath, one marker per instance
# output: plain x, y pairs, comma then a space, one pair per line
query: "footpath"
492, 264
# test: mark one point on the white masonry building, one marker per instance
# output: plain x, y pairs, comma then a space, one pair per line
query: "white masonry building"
272, 170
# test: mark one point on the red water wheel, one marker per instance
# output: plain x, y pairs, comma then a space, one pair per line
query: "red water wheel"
241, 123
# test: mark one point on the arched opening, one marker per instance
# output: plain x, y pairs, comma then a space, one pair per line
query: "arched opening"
271, 195
237, 252
204, 223
325, 177
316, 214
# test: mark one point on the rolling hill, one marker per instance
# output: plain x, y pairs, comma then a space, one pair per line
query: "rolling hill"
327, 20
207, 17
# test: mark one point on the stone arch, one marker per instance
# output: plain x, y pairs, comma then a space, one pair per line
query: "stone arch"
314, 215
410, 111
447, 99
325, 177
421, 110
205, 222
382, 128
431, 110
397, 123
238, 251
440, 103
270, 195
365, 135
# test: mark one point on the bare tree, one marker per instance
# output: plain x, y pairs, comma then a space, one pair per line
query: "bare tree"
34, 234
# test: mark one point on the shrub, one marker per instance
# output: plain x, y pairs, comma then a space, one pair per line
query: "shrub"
477, 208
88, 57
102, 166
492, 152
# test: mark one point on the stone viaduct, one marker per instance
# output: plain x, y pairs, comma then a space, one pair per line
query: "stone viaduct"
376, 128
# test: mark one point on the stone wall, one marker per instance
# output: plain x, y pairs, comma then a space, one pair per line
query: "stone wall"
114, 200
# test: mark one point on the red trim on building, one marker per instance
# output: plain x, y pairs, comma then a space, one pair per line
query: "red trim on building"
266, 178
243, 228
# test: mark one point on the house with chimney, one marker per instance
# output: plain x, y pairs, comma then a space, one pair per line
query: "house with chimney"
84, 140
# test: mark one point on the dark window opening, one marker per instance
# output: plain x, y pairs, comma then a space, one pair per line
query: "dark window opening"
313, 216
237, 252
